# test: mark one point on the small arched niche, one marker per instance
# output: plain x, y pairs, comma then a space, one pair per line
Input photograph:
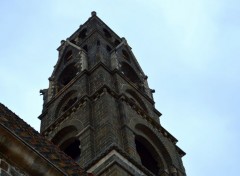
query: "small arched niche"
147, 154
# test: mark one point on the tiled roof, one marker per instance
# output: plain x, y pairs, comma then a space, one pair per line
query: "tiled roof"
37, 142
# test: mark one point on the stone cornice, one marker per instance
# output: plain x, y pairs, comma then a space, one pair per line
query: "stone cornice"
121, 97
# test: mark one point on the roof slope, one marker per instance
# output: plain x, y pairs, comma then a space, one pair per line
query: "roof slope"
38, 143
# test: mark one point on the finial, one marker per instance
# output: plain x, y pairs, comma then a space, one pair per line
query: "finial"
124, 40
94, 13
152, 90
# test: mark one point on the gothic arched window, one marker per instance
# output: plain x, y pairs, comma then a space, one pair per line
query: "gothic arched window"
129, 72
67, 75
146, 154
71, 147
68, 142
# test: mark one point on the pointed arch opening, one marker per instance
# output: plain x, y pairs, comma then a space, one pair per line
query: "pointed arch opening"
67, 75
130, 73
147, 154
163, 153
71, 147
68, 142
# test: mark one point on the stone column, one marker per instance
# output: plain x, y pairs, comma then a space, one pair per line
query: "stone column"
83, 60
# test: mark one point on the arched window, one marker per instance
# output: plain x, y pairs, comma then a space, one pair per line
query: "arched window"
83, 33
67, 75
146, 154
68, 142
71, 147
129, 72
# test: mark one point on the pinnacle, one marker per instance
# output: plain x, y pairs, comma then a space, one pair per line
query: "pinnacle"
94, 13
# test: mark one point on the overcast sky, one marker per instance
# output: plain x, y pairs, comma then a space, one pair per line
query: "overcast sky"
188, 48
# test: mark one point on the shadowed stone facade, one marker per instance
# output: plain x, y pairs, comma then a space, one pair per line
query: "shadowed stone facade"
100, 110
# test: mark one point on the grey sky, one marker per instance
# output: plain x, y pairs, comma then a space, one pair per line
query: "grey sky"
188, 48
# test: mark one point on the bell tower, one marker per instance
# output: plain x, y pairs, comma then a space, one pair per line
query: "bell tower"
100, 110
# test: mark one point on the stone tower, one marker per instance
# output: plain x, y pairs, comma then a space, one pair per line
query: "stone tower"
100, 110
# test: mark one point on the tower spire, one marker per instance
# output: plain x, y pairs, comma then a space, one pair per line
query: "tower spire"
100, 109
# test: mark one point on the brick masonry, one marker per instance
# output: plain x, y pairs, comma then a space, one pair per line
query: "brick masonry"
7, 169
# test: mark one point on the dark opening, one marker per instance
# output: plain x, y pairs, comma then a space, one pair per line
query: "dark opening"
68, 56
98, 43
117, 42
73, 150
108, 48
126, 55
67, 131
73, 41
85, 47
107, 33
146, 157
67, 75
83, 34
128, 71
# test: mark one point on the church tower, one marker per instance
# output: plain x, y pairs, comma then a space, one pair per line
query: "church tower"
100, 111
